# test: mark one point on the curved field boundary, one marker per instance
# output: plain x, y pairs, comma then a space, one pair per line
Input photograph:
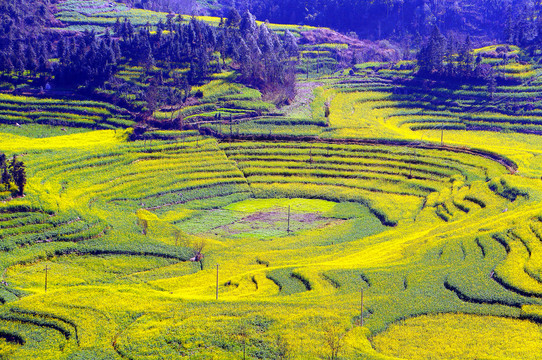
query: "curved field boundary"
12, 338
510, 165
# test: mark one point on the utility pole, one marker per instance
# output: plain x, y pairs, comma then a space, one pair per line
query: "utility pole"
442, 135
216, 281
361, 312
46, 268
288, 230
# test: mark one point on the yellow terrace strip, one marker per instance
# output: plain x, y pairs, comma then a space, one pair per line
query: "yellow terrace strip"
459, 336
398, 245
20, 144
524, 149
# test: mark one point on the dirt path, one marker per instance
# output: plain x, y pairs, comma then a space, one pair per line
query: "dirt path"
300, 107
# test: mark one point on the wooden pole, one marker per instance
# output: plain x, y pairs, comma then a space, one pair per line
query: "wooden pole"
216, 281
46, 268
361, 312
288, 230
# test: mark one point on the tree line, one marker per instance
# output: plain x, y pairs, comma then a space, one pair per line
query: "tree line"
263, 59
448, 59
511, 21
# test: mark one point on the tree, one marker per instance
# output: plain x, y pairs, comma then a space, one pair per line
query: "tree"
31, 60
6, 65
449, 58
61, 48
6, 176
431, 55
18, 174
248, 24
466, 59
43, 64
334, 338
19, 65
233, 18
290, 44
491, 84
144, 223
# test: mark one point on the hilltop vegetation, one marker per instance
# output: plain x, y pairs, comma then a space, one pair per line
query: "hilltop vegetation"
222, 188
515, 22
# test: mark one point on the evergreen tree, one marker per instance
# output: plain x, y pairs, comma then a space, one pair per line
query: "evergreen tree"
19, 177
6, 177
233, 18
290, 44
43, 64
61, 49
248, 24
430, 57
31, 60
449, 58
117, 28
466, 59
19, 65
491, 84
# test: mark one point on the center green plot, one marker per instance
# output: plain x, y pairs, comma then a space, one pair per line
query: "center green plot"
271, 218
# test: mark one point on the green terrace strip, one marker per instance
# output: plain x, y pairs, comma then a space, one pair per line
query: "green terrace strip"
361, 173
149, 174
221, 101
23, 229
19, 110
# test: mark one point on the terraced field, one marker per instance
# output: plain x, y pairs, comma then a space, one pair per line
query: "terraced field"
84, 218
20, 110
365, 174
375, 204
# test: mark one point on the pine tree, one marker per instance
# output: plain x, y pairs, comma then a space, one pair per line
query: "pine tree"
466, 59
61, 49
431, 55
43, 64
233, 18
491, 84
6, 177
248, 24
290, 44
117, 27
